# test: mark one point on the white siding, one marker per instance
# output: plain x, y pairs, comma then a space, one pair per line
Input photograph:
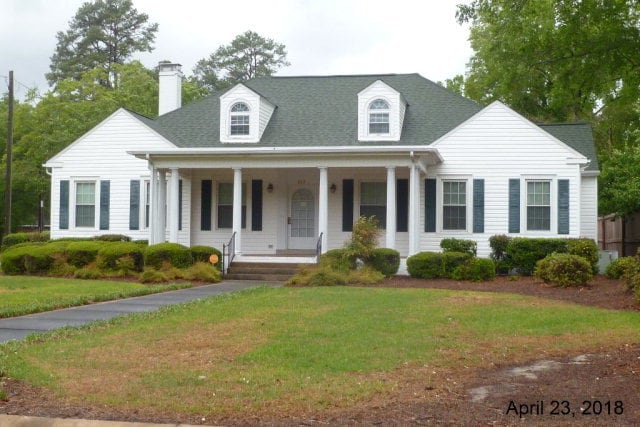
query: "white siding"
589, 207
266, 110
101, 154
496, 145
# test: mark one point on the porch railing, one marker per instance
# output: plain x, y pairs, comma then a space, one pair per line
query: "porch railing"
228, 253
319, 248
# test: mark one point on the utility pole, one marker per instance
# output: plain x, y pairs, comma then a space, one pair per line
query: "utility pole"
7, 179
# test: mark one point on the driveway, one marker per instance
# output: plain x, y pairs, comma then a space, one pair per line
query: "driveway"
16, 328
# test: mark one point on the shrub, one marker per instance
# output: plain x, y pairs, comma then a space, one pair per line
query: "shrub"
88, 273
452, 260
498, 244
620, 266
203, 253
364, 238
150, 275
326, 277
15, 238
475, 269
367, 275
28, 259
338, 259
204, 272
82, 253
121, 256
177, 255
113, 238
459, 245
426, 265
587, 249
141, 242
564, 270
524, 253
385, 260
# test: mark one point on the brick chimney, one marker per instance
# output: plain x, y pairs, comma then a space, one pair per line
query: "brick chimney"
170, 79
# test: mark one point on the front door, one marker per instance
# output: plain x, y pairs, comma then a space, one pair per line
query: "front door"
302, 224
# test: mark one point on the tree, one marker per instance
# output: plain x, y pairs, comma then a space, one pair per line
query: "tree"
102, 34
249, 55
619, 182
558, 60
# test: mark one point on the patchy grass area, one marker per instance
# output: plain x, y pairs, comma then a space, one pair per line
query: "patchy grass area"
26, 294
274, 352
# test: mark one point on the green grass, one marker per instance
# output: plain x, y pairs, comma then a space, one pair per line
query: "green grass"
25, 294
291, 350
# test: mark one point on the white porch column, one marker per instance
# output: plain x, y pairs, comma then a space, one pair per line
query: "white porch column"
173, 205
153, 210
323, 207
162, 207
391, 207
413, 202
237, 207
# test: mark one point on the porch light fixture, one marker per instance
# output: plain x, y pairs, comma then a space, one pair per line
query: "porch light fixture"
333, 188
270, 188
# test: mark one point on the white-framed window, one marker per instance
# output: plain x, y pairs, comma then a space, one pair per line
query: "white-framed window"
379, 117
539, 205
85, 204
225, 205
373, 201
147, 203
454, 204
239, 119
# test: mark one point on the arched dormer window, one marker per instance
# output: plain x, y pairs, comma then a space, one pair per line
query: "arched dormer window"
379, 117
239, 124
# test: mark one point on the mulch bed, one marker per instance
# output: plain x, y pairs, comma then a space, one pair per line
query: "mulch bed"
607, 376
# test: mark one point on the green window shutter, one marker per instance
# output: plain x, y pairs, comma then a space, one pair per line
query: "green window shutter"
256, 205
347, 205
134, 204
402, 205
563, 206
430, 205
205, 208
478, 205
514, 205
180, 205
105, 198
64, 205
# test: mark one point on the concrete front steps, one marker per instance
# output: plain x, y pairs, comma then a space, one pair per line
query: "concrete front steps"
263, 271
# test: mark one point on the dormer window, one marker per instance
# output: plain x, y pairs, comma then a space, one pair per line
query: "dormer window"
239, 120
379, 117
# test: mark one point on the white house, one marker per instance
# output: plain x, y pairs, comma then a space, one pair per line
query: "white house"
287, 162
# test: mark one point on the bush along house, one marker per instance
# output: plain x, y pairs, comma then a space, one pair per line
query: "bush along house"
285, 165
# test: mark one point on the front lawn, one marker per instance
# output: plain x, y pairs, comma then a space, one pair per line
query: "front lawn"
25, 294
278, 352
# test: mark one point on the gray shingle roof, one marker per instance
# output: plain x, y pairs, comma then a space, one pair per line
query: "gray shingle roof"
322, 111
578, 136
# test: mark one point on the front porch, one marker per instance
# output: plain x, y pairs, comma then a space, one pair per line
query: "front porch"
281, 206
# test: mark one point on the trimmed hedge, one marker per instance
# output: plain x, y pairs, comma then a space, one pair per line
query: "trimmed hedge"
621, 267
498, 244
28, 259
385, 260
587, 249
475, 269
113, 238
425, 265
15, 238
203, 253
564, 270
524, 252
174, 253
121, 256
459, 245
453, 260
80, 254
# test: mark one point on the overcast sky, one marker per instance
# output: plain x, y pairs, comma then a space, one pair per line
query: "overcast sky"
322, 37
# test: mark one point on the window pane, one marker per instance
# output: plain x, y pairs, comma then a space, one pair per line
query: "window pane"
454, 209
85, 216
240, 106
538, 218
85, 204
379, 123
379, 104
373, 201
225, 205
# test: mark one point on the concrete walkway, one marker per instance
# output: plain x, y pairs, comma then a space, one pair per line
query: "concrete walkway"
16, 328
